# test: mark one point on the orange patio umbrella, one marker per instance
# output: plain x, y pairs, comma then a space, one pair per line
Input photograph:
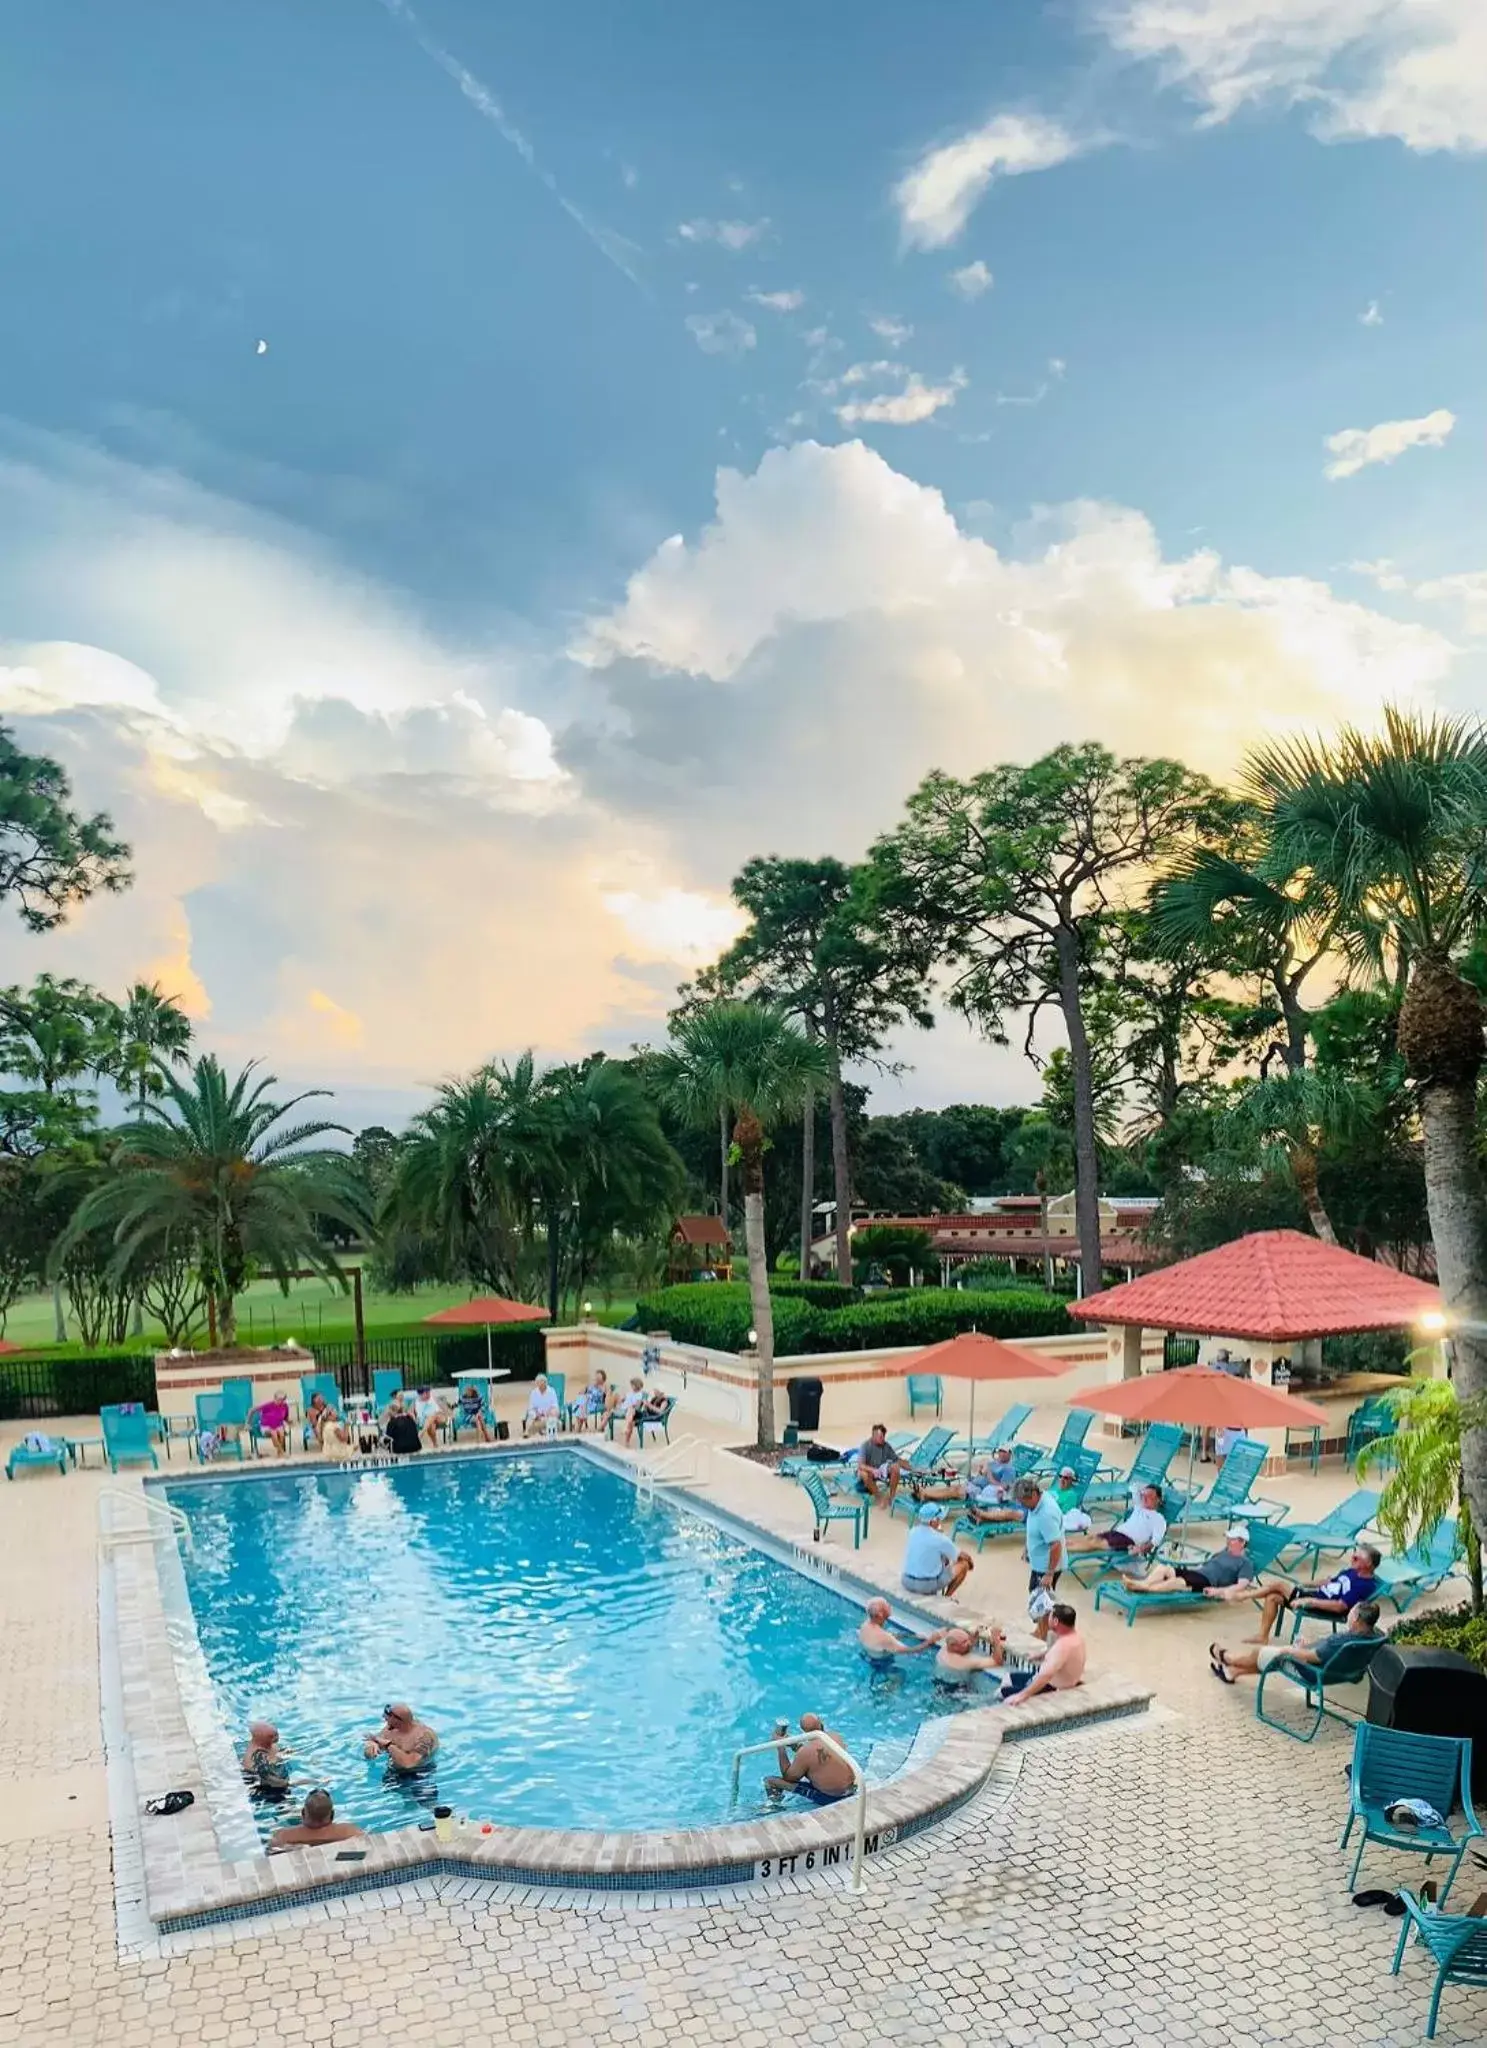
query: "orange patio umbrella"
974, 1356
485, 1311
1198, 1397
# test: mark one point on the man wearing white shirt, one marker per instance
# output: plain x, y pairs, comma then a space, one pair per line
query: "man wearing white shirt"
541, 1418
1143, 1531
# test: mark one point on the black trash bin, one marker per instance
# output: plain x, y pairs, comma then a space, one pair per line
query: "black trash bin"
805, 1403
1432, 1692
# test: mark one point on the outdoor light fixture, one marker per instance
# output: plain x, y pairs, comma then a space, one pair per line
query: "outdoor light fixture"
753, 1337
588, 1308
1433, 1323
1437, 1324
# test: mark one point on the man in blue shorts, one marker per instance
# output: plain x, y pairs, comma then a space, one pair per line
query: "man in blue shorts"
932, 1563
808, 1767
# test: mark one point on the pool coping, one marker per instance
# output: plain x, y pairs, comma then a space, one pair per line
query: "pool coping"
189, 1882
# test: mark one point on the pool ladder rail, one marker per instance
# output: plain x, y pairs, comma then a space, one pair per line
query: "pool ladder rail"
158, 1515
666, 1470
857, 1887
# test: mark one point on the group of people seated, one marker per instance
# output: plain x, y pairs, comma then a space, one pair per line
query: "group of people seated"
418, 1419
407, 1744
600, 1404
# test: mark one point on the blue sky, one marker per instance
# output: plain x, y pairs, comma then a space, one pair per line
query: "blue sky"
1022, 332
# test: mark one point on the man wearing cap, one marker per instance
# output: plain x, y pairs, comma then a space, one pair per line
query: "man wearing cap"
1143, 1531
932, 1563
1043, 1541
1227, 1575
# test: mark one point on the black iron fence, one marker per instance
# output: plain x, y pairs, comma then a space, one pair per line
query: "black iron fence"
1179, 1351
35, 1387
432, 1360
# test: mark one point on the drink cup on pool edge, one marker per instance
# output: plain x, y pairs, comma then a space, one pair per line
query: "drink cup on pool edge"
443, 1823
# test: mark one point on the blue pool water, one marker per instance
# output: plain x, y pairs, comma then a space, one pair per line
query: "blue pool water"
588, 1658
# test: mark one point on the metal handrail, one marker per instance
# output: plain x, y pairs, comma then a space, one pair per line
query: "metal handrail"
857, 1887
172, 1516
656, 1471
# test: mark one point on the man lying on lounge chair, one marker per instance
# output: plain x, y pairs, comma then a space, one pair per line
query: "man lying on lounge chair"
1339, 1595
1143, 1530
1229, 1574
1250, 1658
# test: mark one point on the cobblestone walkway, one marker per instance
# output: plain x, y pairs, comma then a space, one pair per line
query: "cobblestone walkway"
1170, 1881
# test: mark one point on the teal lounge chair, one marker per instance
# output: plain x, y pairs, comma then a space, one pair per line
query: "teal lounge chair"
23, 1455
214, 1412
558, 1381
921, 1463
1348, 1667
826, 1510
311, 1384
459, 1419
1265, 1542
387, 1380
645, 1422
1424, 1566
1458, 1947
127, 1436
1157, 1449
1006, 1430
926, 1390
1229, 1498
1335, 1533
1389, 1764
1070, 1439
1085, 1464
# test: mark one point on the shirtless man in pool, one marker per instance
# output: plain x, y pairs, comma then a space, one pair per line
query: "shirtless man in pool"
810, 1767
405, 1742
878, 1640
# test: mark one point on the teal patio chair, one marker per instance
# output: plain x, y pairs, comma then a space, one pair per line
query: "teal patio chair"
558, 1381
1006, 1430
1229, 1498
926, 1390
1390, 1765
922, 1462
1317, 1682
1374, 1419
238, 1402
311, 1384
1337, 1531
127, 1436
826, 1510
1154, 1454
662, 1421
1265, 1542
387, 1380
23, 1455
214, 1412
1085, 1464
1070, 1439
1458, 1947
460, 1419
1428, 1562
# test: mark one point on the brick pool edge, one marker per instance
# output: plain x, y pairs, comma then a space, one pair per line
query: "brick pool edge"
189, 1882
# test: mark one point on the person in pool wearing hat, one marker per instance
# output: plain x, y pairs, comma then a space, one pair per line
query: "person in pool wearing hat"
932, 1563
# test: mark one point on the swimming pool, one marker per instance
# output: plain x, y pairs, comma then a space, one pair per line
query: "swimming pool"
590, 1657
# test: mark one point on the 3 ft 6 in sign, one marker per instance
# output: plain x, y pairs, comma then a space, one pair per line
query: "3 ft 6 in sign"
836, 1855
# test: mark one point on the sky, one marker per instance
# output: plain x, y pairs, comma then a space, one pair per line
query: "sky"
472, 477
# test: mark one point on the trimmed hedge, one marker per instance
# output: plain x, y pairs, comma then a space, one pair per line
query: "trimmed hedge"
717, 1314
819, 1293
1447, 1628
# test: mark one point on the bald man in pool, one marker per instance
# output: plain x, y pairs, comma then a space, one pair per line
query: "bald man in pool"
878, 1641
403, 1740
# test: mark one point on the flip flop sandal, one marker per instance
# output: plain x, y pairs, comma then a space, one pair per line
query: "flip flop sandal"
1372, 1898
1224, 1677
1395, 1906
173, 1802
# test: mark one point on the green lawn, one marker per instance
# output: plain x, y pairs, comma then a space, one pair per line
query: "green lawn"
312, 1311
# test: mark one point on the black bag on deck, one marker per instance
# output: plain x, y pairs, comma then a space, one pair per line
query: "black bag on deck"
823, 1454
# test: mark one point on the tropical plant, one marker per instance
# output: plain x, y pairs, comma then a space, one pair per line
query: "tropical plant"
1291, 1116
746, 1060
212, 1172
153, 1033
1394, 827
898, 1250
50, 857
1423, 1460
1009, 876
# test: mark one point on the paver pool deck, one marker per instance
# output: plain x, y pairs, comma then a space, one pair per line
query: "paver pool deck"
1166, 1879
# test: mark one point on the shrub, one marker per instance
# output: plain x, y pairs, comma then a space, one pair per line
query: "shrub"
718, 1314
1446, 1628
928, 1315
819, 1293
1367, 1351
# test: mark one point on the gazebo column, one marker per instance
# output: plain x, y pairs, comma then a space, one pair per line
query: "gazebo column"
1129, 1350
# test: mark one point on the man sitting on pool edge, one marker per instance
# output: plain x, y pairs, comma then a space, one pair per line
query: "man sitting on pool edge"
406, 1743
932, 1563
809, 1767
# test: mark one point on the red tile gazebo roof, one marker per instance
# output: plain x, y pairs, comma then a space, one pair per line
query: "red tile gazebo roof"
1275, 1286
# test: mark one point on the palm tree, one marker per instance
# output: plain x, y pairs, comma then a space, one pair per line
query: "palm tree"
463, 1184
211, 1169
748, 1061
1295, 1114
1422, 1458
154, 1032
1394, 824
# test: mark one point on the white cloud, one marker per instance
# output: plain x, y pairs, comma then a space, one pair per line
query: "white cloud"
1466, 592
1357, 448
721, 334
914, 402
1371, 316
1415, 69
1383, 572
728, 234
972, 280
778, 302
894, 332
937, 196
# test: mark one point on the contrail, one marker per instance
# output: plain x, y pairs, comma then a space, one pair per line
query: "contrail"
613, 247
